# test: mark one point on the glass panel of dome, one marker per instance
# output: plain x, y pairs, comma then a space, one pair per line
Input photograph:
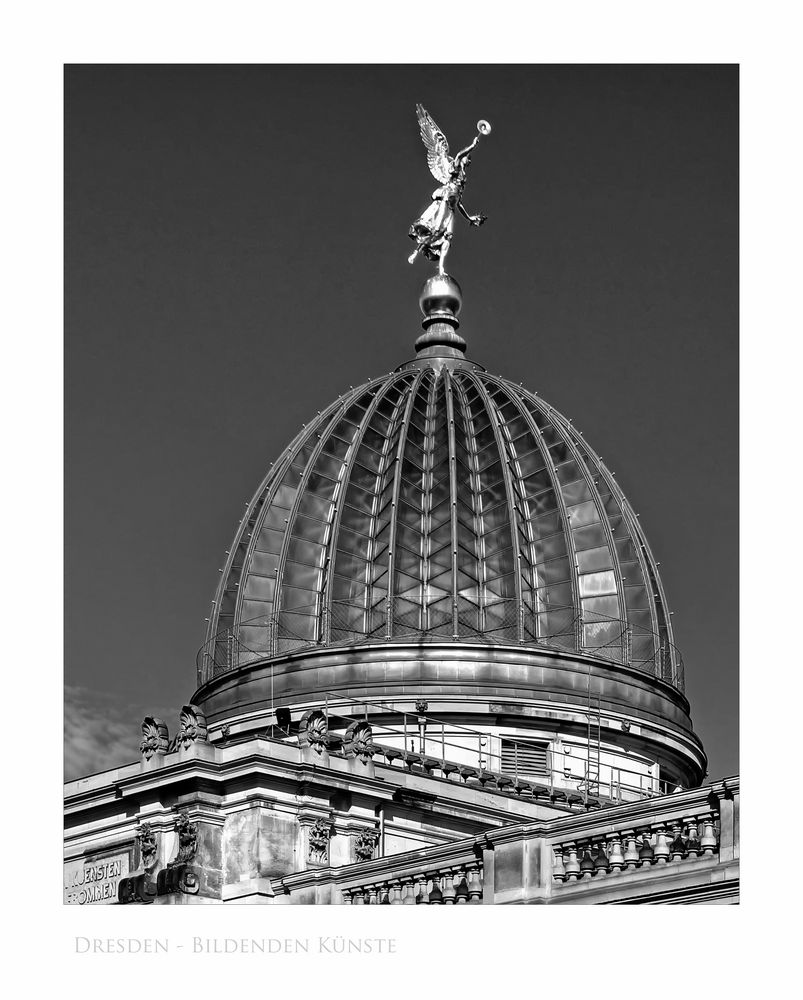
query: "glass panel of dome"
270, 540
347, 564
262, 563
583, 513
260, 587
253, 612
554, 571
360, 499
637, 597
557, 595
543, 503
592, 560
546, 525
311, 528
537, 483
353, 542
597, 583
285, 496
353, 518
304, 576
597, 608
590, 537
577, 491
276, 517
310, 505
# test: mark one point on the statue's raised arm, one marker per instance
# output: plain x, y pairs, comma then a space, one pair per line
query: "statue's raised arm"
432, 232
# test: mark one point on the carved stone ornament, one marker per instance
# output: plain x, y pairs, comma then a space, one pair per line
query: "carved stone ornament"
365, 845
358, 741
146, 841
192, 727
155, 739
187, 839
319, 834
314, 731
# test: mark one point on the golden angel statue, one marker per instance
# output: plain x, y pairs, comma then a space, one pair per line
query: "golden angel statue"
432, 232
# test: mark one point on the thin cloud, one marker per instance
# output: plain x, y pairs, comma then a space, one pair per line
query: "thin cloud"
100, 732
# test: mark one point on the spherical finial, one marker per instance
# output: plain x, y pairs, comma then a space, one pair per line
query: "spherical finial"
441, 298
440, 301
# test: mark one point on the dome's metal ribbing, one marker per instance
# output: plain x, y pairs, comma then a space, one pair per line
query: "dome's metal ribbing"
440, 502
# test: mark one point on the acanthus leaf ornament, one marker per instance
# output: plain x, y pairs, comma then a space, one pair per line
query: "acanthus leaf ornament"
358, 741
318, 843
365, 845
314, 731
155, 738
192, 727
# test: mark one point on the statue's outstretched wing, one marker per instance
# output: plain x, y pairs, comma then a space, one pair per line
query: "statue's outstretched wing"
440, 163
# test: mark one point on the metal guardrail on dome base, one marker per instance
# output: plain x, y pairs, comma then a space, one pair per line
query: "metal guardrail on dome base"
505, 622
460, 753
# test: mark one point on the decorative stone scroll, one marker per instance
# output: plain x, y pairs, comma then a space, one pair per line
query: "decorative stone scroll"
192, 727
365, 844
146, 842
314, 731
155, 738
319, 834
358, 741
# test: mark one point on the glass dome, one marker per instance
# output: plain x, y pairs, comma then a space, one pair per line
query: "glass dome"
440, 502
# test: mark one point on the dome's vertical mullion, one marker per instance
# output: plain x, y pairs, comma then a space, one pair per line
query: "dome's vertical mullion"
511, 502
426, 511
574, 574
413, 391
452, 495
325, 609
471, 449
282, 560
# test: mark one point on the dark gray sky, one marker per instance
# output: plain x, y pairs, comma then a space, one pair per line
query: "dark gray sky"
236, 257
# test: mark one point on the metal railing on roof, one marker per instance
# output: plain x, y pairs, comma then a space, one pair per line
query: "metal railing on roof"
425, 742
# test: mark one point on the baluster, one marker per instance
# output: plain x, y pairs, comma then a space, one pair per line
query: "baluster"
395, 893
371, 895
408, 896
646, 853
587, 863
631, 849
692, 844
461, 885
449, 893
677, 847
616, 858
661, 851
359, 896
708, 841
347, 901
601, 863
558, 868
435, 893
474, 884
423, 896
572, 863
